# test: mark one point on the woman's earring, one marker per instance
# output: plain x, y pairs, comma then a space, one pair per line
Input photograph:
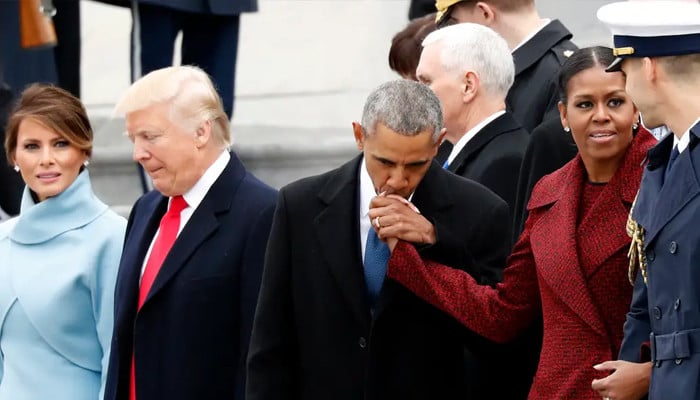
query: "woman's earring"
86, 163
567, 129
16, 168
635, 126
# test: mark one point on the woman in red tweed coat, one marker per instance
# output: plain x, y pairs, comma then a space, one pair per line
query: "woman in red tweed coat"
570, 263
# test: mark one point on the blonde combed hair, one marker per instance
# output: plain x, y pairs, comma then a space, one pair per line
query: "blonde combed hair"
190, 94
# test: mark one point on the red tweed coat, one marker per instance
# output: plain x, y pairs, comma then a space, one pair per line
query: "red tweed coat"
576, 276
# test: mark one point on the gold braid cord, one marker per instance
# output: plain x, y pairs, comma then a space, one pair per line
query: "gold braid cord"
636, 253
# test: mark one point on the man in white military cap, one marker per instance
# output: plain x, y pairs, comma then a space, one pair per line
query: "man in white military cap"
658, 47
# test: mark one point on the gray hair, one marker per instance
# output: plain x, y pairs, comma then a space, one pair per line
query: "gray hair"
474, 47
404, 106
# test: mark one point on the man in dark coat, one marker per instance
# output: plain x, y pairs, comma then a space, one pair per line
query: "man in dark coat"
663, 80
470, 69
539, 48
328, 326
193, 254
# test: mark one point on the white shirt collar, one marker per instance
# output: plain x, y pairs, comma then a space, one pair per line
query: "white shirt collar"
470, 135
532, 34
367, 191
684, 140
196, 194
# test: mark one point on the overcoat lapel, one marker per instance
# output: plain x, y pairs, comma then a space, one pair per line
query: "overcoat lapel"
611, 209
652, 181
337, 228
503, 124
559, 265
434, 200
145, 221
680, 187
203, 223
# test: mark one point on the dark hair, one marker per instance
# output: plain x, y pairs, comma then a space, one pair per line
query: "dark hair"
581, 60
54, 108
407, 45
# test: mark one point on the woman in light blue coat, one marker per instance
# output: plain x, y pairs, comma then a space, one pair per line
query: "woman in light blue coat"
59, 257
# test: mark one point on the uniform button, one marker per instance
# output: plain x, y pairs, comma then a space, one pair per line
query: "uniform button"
657, 313
679, 361
673, 247
677, 304
651, 255
362, 342
658, 364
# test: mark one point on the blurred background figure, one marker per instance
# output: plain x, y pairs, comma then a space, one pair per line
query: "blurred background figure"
57, 304
406, 46
10, 181
420, 8
209, 38
21, 66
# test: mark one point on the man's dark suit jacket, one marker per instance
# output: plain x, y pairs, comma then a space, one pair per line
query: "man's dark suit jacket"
550, 148
190, 337
314, 337
493, 157
535, 91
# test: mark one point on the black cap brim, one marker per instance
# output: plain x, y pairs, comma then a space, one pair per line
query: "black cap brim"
615, 66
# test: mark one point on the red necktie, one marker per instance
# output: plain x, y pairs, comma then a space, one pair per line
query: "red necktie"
169, 226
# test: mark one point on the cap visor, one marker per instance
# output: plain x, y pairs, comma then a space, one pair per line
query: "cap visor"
615, 66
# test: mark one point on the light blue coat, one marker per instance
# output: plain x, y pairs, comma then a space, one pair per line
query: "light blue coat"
57, 276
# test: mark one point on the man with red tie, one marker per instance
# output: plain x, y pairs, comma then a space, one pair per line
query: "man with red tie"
192, 261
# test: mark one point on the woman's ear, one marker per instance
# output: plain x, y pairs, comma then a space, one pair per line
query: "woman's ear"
562, 114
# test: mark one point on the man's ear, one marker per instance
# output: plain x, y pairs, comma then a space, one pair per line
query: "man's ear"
203, 134
359, 136
440, 139
650, 67
485, 13
470, 86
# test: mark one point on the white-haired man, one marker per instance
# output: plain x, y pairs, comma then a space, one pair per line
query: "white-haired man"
540, 46
193, 255
470, 69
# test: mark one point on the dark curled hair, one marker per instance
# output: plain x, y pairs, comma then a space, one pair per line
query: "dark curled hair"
407, 45
581, 60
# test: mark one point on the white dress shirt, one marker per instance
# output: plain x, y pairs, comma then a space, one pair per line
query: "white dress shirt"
367, 193
194, 197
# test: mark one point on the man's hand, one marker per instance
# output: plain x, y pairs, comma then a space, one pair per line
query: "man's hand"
628, 380
394, 218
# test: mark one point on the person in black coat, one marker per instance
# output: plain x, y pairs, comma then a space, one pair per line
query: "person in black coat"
11, 183
470, 69
328, 326
420, 8
539, 49
209, 29
549, 149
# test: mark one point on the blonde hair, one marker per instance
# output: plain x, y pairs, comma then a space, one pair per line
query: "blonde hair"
187, 90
